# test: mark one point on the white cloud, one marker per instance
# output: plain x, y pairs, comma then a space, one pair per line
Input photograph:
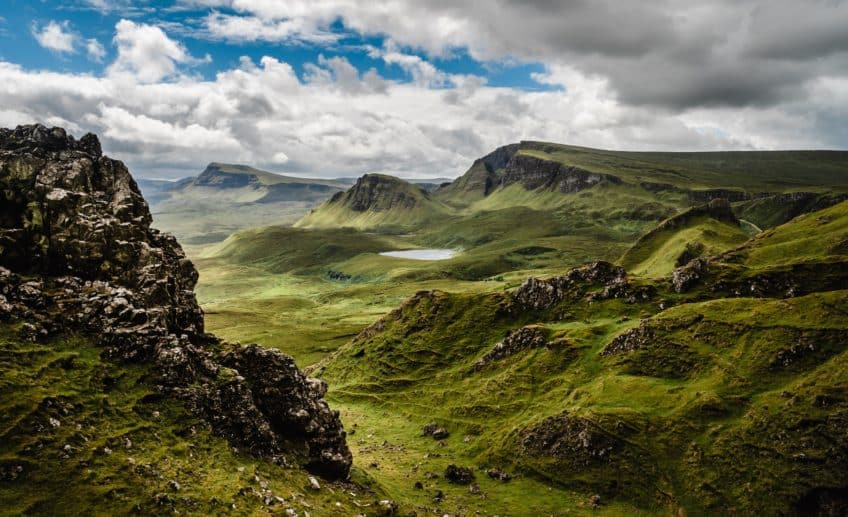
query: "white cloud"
250, 28
262, 114
95, 50
340, 120
55, 36
146, 53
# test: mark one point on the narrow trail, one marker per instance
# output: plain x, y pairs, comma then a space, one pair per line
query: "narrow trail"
752, 224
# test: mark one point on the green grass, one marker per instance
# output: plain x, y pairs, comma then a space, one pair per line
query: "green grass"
817, 236
658, 253
94, 438
690, 416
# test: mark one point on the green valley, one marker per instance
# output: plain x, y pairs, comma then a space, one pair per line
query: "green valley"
621, 390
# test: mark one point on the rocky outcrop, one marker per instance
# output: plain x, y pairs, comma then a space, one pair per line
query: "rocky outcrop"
686, 277
542, 294
630, 340
536, 173
79, 255
574, 441
378, 192
515, 341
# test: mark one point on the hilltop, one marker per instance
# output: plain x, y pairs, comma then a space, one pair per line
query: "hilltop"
375, 200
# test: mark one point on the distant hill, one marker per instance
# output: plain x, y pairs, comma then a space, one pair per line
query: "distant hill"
225, 198
246, 184
691, 177
375, 200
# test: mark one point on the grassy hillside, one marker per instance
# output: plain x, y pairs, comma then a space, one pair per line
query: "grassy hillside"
643, 395
671, 402
705, 231
80, 435
818, 236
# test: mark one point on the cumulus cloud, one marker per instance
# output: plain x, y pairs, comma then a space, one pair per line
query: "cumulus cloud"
668, 54
250, 28
146, 53
55, 36
635, 75
94, 49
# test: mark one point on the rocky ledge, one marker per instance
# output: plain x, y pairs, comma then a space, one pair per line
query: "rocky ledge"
77, 254
542, 294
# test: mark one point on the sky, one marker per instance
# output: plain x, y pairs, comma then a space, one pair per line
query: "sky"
331, 88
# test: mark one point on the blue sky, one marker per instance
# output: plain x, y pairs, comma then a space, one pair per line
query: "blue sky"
345, 87
22, 17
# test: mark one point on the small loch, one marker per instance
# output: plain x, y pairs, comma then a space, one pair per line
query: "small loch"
428, 254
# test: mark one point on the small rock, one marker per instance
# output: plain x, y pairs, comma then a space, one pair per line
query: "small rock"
499, 475
434, 430
313, 483
175, 486
459, 475
595, 501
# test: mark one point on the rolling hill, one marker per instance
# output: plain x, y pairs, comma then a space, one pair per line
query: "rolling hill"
700, 231
376, 200
723, 394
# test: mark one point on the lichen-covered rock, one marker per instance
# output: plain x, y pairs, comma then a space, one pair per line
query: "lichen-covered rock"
686, 277
77, 253
542, 294
576, 441
515, 341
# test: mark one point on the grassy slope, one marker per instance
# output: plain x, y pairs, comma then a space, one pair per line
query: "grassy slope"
657, 254
818, 236
93, 438
767, 171
700, 406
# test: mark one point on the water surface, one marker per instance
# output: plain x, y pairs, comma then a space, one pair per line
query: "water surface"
430, 254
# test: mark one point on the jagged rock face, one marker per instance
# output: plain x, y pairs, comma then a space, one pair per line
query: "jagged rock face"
500, 157
379, 193
70, 211
78, 254
541, 294
535, 173
294, 405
